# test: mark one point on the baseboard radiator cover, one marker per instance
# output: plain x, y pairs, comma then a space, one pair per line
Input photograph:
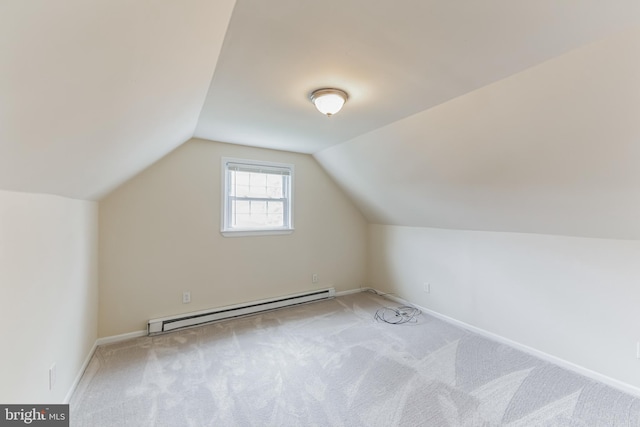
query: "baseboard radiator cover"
172, 323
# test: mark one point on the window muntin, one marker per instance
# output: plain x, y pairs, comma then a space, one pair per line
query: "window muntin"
257, 196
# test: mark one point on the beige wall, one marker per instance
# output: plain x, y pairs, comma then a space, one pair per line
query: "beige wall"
160, 236
48, 281
569, 297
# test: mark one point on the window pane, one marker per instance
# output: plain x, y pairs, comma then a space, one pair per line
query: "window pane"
241, 206
242, 221
257, 199
274, 186
239, 184
275, 207
241, 191
242, 178
275, 213
258, 185
257, 213
258, 207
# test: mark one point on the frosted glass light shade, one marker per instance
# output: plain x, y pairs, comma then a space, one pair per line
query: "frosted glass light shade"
329, 101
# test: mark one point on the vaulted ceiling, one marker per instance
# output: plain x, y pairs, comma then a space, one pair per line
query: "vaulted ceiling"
493, 115
94, 91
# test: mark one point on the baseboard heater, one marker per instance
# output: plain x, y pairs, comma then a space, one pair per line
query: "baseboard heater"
171, 323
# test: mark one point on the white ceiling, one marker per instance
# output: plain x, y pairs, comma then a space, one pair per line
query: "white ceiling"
492, 115
554, 149
93, 91
393, 58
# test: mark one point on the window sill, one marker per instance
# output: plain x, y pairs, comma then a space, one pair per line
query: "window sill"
244, 233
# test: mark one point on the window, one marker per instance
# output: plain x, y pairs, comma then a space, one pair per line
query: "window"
256, 197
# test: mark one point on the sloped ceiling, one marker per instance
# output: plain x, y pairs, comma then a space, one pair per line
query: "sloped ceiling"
554, 150
393, 58
493, 115
93, 91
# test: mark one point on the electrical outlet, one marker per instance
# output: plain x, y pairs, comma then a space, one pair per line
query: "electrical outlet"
638, 350
186, 297
314, 278
52, 376
426, 287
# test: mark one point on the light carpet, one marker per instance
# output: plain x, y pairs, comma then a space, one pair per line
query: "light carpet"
331, 364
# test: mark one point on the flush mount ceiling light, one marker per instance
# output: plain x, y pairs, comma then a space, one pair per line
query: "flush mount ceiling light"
329, 101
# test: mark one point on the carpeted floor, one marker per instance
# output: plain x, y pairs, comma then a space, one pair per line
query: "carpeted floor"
331, 364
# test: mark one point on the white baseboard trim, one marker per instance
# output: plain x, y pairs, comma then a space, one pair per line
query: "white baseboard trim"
596, 376
99, 341
349, 292
122, 337
76, 381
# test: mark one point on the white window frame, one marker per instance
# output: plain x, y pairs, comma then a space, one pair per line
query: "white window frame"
226, 228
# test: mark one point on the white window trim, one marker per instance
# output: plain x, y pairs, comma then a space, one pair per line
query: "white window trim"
225, 200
